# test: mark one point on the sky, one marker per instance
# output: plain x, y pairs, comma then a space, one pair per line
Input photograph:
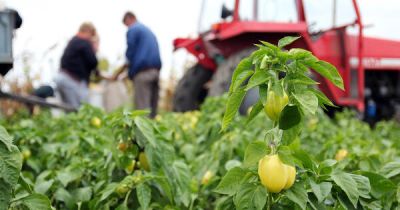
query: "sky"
49, 24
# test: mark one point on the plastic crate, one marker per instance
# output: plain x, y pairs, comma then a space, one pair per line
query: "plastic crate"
6, 35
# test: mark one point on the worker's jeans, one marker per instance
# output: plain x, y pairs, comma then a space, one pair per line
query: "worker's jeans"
146, 90
72, 92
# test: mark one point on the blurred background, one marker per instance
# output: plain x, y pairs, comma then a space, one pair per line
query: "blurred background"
49, 24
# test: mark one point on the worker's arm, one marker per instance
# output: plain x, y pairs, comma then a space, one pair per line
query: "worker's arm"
131, 37
119, 71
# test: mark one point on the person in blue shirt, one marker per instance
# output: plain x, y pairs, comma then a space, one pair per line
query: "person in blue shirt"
144, 63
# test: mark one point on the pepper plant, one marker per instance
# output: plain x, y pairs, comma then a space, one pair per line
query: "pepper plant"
10, 177
287, 94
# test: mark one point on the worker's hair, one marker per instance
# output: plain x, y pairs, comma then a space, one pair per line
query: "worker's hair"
87, 27
128, 15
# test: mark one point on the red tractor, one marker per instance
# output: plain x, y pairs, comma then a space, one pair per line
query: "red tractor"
372, 85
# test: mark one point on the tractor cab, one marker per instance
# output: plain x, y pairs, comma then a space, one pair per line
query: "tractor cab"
217, 11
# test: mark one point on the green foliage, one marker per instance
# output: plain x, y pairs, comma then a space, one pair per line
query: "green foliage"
267, 65
75, 165
10, 168
321, 183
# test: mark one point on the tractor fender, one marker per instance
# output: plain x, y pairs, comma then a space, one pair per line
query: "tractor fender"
197, 48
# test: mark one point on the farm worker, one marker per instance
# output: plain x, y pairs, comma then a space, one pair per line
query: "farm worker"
77, 63
144, 63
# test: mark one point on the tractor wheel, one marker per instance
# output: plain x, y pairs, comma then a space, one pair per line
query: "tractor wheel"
222, 79
190, 92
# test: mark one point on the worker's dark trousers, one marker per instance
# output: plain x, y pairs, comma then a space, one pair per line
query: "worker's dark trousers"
146, 90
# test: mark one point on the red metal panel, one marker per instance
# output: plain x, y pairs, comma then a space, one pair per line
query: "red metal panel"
361, 75
300, 11
236, 11
197, 48
231, 29
379, 54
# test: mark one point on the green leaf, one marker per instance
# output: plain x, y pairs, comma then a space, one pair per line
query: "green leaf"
282, 57
68, 175
328, 71
137, 113
263, 91
82, 194
346, 182
232, 164
5, 193
123, 206
264, 62
166, 188
305, 159
232, 107
270, 46
380, 185
301, 68
146, 130
285, 154
255, 110
298, 194
308, 101
259, 54
299, 78
326, 167
5, 138
345, 203
313, 201
391, 169
179, 177
258, 78
254, 152
10, 163
363, 185
290, 117
321, 190
63, 195
322, 99
240, 79
398, 194
244, 65
251, 196
144, 195
43, 186
375, 205
224, 203
105, 193
287, 41
291, 134
328, 163
35, 202
298, 53
26, 184
231, 182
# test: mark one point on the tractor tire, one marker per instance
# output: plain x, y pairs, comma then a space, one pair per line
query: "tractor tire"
222, 79
190, 91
